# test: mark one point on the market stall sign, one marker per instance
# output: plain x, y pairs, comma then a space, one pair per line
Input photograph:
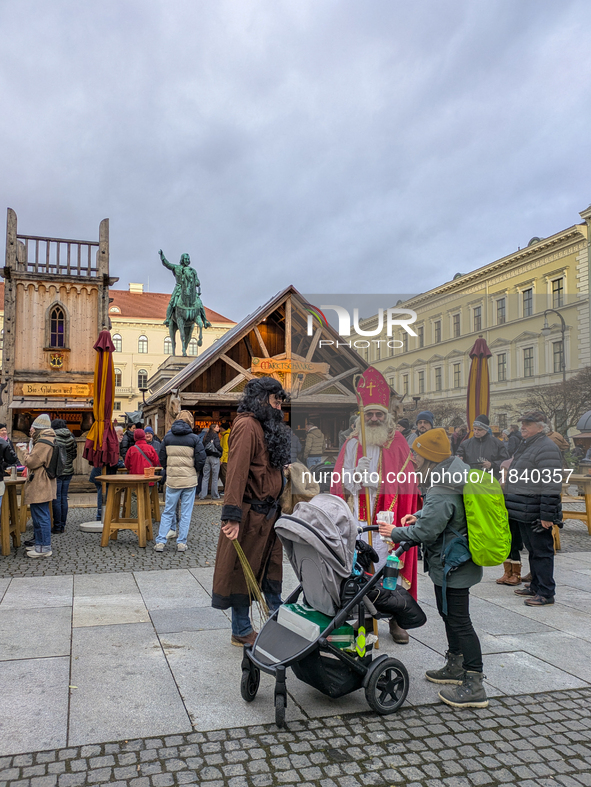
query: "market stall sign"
270, 365
53, 389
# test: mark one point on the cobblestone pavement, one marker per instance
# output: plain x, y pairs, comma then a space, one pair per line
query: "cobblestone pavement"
76, 552
529, 741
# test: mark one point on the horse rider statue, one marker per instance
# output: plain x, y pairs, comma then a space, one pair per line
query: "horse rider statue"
185, 309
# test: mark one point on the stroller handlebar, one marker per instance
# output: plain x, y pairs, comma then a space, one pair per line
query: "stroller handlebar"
401, 549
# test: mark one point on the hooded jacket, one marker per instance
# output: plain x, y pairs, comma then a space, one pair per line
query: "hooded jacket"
40, 488
443, 511
534, 482
135, 462
182, 456
314, 443
66, 438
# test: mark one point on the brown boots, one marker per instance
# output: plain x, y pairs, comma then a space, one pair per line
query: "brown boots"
512, 575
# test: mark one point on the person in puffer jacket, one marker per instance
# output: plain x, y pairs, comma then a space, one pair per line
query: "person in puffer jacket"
64, 437
532, 497
182, 456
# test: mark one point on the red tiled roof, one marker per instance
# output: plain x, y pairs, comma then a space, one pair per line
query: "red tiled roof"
150, 304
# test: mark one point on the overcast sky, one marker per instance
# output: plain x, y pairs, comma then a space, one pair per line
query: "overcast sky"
337, 145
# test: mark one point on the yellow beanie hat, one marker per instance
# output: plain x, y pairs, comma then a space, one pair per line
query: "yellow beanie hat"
433, 445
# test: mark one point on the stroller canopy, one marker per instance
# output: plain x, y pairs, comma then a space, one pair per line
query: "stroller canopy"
319, 540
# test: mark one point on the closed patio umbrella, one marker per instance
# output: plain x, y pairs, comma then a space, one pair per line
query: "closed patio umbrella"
102, 446
478, 396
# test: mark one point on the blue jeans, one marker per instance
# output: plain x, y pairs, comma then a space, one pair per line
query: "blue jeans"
241, 625
187, 498
211, 467
60, 504
41, 526
96, 471
312, 461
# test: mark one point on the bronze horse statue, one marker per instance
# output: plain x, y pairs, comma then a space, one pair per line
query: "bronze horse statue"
185, 309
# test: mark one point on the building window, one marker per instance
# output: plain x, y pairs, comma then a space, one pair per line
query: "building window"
528, 302
421, 382
437, 327
421, 332
502, 418
557, 293
457, 375
167, 346
478, 318
142, 378
438, 385
557, 355
405, 384
502, 367
193, 347
117, 342
528, 362
117, 406
142, 344
404, 342
57, 327
2, 339
118, 378
501, 311
456, 325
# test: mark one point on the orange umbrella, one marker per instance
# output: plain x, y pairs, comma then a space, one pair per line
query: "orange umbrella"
102, 446
478, 397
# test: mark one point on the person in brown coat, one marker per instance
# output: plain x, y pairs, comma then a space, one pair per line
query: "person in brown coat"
259, 447
40, 490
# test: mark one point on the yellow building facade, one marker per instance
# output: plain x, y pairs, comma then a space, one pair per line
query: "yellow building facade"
504, 302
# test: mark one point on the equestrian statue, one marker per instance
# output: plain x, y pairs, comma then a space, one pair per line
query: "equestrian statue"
185, 309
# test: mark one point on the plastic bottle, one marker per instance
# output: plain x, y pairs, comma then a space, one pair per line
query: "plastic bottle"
391, 570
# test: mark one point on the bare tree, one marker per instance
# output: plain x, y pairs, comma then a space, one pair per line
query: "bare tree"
446, 412
552, 399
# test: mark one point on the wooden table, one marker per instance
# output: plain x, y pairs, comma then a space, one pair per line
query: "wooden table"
119, 495
584, 481
10, 519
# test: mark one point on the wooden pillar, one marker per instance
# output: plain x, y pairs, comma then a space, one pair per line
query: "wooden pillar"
103, 275
10, 268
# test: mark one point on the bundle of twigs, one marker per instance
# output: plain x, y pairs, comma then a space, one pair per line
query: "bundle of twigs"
254, 591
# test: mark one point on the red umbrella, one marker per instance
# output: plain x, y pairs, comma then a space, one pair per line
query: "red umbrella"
102, 446
478, 396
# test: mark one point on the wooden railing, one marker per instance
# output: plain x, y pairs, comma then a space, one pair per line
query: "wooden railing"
57, 256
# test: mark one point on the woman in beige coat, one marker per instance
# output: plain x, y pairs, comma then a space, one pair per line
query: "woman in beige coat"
40, 490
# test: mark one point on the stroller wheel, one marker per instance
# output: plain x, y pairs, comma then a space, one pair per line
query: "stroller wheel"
280, 710
387, 687
249, 685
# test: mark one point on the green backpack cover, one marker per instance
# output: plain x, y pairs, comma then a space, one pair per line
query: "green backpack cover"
489, 535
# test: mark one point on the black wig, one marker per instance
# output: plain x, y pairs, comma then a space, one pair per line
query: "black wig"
255, 400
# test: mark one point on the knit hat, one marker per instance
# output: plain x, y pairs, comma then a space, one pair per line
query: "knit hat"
139, 434
426, 415
42, 421
483, 419
187, 417
433, 445
148, 429
404, 423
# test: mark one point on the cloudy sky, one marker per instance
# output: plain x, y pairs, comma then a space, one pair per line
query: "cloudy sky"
339, 145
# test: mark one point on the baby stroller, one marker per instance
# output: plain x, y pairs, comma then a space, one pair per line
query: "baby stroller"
327, 641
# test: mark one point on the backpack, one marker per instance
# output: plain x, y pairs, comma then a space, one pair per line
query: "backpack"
487, 519
58, 460
211, 450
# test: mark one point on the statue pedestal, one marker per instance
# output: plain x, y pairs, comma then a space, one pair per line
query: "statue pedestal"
167, 370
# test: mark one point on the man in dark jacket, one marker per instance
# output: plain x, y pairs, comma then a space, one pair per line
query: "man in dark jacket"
532, 496
182, 456
514, 440
483, 451
128, 439
65, 438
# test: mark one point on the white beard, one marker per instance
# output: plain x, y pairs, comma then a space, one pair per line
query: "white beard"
376, 435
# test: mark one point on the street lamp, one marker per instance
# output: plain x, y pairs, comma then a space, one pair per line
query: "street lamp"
546, 330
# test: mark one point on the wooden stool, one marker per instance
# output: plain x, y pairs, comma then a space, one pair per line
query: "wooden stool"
118, 496
10, 522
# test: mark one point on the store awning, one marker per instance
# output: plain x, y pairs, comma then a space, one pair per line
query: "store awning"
49, 403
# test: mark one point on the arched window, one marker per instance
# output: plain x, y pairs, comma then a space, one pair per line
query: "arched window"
193, 347
142, 378
142, 344
118, 377
117, 342
57, 327
167, 346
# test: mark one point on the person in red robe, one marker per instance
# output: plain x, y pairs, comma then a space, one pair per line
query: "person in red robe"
385, 470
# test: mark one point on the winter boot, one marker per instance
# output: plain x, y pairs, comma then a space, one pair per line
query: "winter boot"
451, 672
504, 580
527, 577
515, 578
470, 694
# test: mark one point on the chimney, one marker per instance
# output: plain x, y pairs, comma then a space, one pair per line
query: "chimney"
136, 287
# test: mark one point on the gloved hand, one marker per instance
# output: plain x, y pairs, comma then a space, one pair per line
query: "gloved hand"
363, 467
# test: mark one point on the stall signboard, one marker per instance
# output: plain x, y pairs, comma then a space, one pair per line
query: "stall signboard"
53, 389
287, 366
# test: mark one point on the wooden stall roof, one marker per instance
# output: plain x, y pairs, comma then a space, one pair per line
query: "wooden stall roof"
275, 331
